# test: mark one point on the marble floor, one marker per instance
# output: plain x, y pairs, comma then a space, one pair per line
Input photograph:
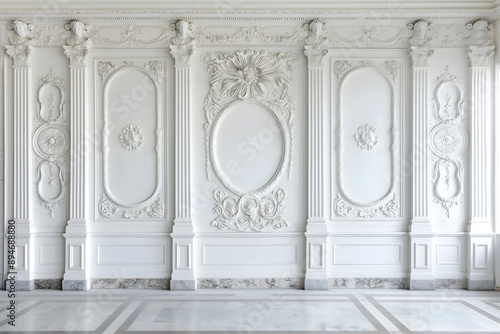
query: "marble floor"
253, 311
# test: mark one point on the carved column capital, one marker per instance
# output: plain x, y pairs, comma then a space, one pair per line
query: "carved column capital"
315, 55
181, 54
480, 55
77, 55
20, 53
420, 55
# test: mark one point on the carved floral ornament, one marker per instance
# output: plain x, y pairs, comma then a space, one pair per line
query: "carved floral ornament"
131, 138
448, 141
249, 76
51, 142
366, 137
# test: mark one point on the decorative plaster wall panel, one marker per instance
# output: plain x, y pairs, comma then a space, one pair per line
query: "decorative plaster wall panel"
132, 139
367, 139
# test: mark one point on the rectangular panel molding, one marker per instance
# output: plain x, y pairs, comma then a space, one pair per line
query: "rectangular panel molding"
366, 254
481, 256
184, 257
316, 258
421, 256
76, 255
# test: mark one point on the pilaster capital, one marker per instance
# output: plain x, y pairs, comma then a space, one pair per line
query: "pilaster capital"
181, 54
420, 55
315, 55
480, 55
20, 53
77, 54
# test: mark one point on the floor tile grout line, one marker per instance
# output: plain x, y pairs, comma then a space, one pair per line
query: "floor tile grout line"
373, 320
106, 323
132, 318
20, 313
478, 310
388, 315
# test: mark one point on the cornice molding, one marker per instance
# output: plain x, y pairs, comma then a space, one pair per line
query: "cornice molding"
94, 13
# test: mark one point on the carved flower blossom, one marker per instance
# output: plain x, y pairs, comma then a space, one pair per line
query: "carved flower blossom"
107, 209
341, 208
250, 74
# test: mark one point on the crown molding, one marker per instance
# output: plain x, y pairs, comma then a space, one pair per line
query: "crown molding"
257, 4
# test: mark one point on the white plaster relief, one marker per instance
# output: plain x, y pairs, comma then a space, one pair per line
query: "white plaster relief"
51, 142
366, 138
249, 75
449, 141
131, 139
249, 212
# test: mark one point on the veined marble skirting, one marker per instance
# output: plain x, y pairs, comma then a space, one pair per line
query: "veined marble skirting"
131, 283
48, 284
368, 283
250, 283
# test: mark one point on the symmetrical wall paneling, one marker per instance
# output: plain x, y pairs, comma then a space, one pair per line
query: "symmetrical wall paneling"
336, 152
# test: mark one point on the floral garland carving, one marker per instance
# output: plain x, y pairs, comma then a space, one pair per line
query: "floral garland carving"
108, 210
249, 212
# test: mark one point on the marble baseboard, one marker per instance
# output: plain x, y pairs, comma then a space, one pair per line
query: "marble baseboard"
183, 285
316, 284
452, 283
25, 285
368, 283
48, 284
483, 285
75, 285
250, 283
381, 283
131, 283
416, 284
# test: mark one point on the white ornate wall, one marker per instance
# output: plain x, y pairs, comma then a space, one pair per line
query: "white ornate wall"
236, 149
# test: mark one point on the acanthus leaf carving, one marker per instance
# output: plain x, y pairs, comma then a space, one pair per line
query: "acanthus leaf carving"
249, 212
340, 67
420, 55
315, 55
21, 54
480, 55
76, 54
392, 67
156, 67
249, 75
